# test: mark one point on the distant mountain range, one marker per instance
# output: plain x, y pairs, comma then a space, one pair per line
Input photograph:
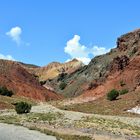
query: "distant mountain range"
84, 82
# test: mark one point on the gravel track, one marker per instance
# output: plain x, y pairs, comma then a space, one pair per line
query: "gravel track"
12, 132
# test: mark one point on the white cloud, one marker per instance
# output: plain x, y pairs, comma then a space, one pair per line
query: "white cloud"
99, 50
75, 49
85, 60
6, 57
15, 33
82, 52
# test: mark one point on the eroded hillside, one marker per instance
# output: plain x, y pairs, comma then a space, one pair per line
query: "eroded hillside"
22, 83
105, 72
53, 69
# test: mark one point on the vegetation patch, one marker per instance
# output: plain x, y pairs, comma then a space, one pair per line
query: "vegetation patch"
10, 119
61, 136
124, 91
5, 92
112, 95
42, 83
109, 125
22, 107
46, 117
62, 85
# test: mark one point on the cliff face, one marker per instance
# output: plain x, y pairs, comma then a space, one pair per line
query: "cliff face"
16, 78
105, 72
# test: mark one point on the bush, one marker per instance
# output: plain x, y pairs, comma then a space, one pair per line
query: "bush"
22, 107
112, 95
42, 83
124, 91
5, 92
62, 85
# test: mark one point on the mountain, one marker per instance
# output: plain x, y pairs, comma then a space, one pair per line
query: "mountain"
22, 83
105, 72
28, 65
53, 69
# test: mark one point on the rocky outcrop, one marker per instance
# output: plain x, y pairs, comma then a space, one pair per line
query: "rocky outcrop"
119, 63
129, 42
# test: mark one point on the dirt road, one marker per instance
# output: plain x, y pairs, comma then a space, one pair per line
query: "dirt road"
12, 132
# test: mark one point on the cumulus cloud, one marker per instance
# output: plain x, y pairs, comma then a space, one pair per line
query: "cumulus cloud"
99, 50
6, 57
85, 60
15, 34
81, 52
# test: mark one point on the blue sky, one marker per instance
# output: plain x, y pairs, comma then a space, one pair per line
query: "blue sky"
42, 31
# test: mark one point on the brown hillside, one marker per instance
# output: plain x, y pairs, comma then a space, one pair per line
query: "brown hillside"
130, 77
22, 83
124, 68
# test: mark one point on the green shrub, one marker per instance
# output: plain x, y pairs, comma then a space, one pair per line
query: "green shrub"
5, 92
22, 107
112, 95
42, 83
62, 85
124, 91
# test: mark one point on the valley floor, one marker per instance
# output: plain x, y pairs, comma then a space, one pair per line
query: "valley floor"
70, 125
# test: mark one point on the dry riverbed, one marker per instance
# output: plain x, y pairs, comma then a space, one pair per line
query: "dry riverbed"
70, 125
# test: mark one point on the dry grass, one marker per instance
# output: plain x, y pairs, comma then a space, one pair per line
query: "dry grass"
104, 107
7, 102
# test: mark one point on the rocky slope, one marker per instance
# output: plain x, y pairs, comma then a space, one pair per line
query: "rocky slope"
22, 83
105, 72
54, 69
124, 69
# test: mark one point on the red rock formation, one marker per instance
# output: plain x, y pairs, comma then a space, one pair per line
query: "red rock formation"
22, 83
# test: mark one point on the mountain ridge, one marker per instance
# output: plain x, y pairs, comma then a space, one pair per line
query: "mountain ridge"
53, 69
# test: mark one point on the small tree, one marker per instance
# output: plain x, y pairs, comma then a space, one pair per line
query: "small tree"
42, 83
5, 92
22, 107
112, 95
62, 85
